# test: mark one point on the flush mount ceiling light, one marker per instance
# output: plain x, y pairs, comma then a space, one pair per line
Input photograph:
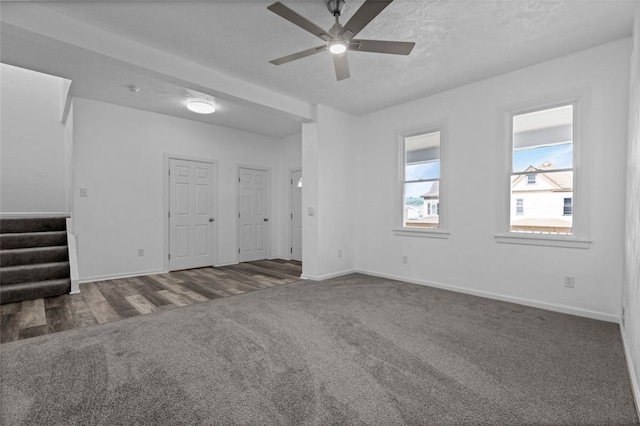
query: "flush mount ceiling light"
201, 107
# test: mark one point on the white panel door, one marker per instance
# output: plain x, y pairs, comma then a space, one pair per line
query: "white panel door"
253, 214
190, 214
296, 215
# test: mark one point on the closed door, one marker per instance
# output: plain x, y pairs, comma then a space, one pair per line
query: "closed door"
190, 214
296, 215
253, 214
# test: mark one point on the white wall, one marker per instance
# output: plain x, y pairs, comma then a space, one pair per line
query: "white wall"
118, 157
33, 161
328, 188
631, 290
290, 157
471, 258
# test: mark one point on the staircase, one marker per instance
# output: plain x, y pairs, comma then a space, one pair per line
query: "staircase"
34, 259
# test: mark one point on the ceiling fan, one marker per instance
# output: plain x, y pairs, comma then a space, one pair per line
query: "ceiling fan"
340, 38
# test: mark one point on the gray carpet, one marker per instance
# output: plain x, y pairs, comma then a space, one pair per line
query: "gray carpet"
352, 350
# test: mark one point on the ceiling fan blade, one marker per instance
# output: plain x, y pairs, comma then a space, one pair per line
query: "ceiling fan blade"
298, 55
369, 10
380, 46
341, 66
291, 16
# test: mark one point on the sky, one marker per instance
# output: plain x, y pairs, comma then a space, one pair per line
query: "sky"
561, 156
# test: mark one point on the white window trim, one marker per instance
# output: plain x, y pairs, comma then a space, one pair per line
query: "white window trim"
580, 237
442, 231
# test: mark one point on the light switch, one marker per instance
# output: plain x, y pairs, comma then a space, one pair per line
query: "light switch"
83, 192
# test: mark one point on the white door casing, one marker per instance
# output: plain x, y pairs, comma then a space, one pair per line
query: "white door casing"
296, 215
253, 214
191, 208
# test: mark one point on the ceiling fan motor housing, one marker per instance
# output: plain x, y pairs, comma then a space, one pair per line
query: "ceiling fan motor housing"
336, 7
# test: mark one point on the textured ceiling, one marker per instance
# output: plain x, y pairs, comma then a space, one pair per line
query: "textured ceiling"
457, 42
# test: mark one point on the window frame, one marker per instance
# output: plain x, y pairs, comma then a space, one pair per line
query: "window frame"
399, 229
579, 238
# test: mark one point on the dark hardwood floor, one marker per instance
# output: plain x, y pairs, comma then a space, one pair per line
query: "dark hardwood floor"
112, 300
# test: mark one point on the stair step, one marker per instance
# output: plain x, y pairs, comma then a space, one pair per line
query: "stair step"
32, 273
33, 224
33, 239
31, 255
34, 290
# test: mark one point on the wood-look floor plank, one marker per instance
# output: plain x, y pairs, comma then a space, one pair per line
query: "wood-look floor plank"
32, 313
150, 283
58, 319
176, 299
40, 330
141, 303
10, 308
100, 308
79, 311
119, 303
51, 302
204, 290
152, 296
9, 328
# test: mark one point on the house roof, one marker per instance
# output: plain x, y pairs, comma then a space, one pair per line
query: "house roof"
562, 180
434, 191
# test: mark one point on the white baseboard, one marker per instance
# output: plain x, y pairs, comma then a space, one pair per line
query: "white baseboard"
520, 301
327, 276
27, 215
116, 276
235, 262
635, 386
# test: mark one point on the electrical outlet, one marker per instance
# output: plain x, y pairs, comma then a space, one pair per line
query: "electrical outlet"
569, 281
140, 252
83, 192
622, 317
339, 252
405, 260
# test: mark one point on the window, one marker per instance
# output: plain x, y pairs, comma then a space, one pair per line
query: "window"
568, 207
421, 180
542, 171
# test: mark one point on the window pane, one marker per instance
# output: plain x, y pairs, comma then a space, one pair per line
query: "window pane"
421, 204
542, 207
422, 156
430, 170
543, 140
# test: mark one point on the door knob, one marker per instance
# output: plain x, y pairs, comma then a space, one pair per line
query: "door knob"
266, 219
211, 219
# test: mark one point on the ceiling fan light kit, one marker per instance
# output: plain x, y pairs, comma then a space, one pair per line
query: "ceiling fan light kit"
340, 38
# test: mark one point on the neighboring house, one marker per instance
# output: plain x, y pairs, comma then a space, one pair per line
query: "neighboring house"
413, 212
430, 211
542, 202
432, 200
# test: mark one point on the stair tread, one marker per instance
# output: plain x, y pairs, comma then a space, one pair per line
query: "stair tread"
33, 233
27, 224
32, 249
33, 266
34, 290
36, 283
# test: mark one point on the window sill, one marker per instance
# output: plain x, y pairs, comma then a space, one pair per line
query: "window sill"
421, 233
544, 240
